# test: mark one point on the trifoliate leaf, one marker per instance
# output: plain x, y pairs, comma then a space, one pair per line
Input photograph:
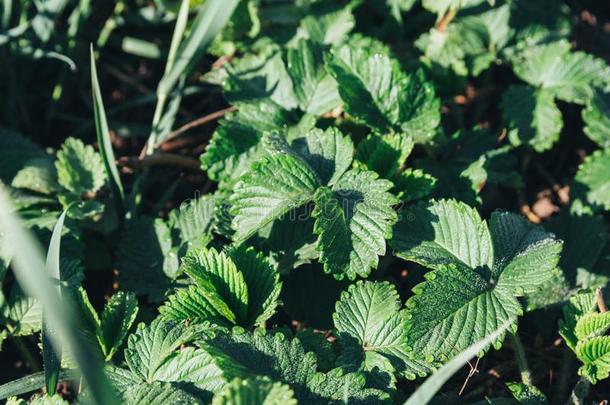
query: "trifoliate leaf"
569, 76
238, 288
284, 360
117, 317
579, 305
532, 117
483, 274
596, 116
353, 220
376, 92
256, 201
80, 169
255, 391
329, 153
591, 186
38, 175
145, 259
595, 355
314, 88
369, 312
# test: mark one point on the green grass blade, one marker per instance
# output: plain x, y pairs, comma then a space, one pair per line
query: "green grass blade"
210, 20
31, 383
51, 356
29, 268
435, 382
103, 138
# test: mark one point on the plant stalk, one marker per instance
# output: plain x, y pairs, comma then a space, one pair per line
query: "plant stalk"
526, 374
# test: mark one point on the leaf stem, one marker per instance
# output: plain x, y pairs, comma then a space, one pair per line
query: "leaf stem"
526, 374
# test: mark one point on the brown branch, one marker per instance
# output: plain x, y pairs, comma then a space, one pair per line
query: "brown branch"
444, 22
601, 302
196, 123
162, 159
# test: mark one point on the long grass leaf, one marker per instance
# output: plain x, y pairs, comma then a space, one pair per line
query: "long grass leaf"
103, 138
435, 382
51, 356
29, 268
31, 383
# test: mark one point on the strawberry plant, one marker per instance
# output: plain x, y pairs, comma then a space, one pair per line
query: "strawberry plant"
304, 202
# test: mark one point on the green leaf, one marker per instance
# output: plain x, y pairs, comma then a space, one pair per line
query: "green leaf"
39, 175
327, 23
103, 136
152, 345
353, 220
384, 154
575, 308
257, 202
532, 117
118, 316
24, 313
483, 274
595, 355
591, 186
370, 313
377, 93
79, 168
233, 144
285, 361
235, 288
591, 325
315, 90
194, 220
596, 116
159, 393
51, 346
329, 153
569, 76
255, 391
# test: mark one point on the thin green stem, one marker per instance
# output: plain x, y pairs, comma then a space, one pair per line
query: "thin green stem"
526, 374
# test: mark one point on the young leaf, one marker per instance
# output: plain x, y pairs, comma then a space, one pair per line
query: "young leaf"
255, 391
79, 167
118, 316
235, 288
484, 273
